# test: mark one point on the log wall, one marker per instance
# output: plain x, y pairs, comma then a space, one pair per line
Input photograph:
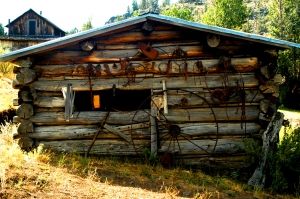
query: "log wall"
207, 99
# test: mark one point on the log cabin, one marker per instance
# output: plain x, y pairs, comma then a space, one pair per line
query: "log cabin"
29, 29
189, 93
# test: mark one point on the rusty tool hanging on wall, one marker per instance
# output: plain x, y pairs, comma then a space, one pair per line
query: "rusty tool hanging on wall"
148, 51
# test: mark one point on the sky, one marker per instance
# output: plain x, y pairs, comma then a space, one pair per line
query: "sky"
66, 14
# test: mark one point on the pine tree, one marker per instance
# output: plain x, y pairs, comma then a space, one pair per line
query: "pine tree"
2, 33
154, 6
88, 25
134, 5
144, 5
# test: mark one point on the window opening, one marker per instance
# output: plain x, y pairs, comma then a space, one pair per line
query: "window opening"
32, 27
112, 100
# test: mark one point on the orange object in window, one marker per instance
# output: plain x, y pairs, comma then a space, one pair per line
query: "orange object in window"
96, 101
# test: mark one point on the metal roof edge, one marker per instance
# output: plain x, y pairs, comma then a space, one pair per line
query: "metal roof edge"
223, 31
70, 38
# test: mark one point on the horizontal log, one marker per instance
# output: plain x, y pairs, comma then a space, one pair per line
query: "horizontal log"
174, 115
23, 62
88, 131
186, 99
198, 130
158, 45
134, 37
191, 130
175, 98
25, 127
208, 81
25, 111
92, 117
51, 102
206, 115
25, 96
100, 147
25, 76
71, 57
209, 147
157, 67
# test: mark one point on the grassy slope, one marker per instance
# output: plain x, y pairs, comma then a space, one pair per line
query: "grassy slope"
44, 174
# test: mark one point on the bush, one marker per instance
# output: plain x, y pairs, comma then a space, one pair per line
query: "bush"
285, 165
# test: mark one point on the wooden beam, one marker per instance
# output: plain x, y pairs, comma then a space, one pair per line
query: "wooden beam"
90, 117
175, 98
208, 81
100, 147
247, 64
153, 127
117, 132
73, 132
25, 111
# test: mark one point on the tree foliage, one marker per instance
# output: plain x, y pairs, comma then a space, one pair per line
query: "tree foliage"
226, 13
192, 1
88, 25
178, 10
134, 5
284, 23
2, 33
285, 170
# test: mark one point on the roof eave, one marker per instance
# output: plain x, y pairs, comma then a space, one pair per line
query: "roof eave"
70, 39
224, 31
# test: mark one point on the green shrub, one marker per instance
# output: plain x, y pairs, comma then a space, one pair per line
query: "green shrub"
285, 165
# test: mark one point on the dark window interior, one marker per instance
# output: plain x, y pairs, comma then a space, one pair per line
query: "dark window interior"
32, 25
112, 100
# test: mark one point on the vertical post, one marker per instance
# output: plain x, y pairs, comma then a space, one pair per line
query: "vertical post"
153, 130
165, 98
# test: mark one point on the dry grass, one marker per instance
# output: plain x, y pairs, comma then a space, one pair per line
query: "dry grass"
7, 93
44, 174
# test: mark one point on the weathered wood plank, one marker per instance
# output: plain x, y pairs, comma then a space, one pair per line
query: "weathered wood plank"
125, 46
157, 67
72, 132
25, 76
71, 57
25, 111
100, 147
141, 131
198, 130
92, 117
208, 81
206, 115
128, 37
175, 98
174, 115
223, 146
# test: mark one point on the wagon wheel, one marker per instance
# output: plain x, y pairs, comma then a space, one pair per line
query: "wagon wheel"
171, 137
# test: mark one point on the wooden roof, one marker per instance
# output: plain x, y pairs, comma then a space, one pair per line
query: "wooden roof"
77, 37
